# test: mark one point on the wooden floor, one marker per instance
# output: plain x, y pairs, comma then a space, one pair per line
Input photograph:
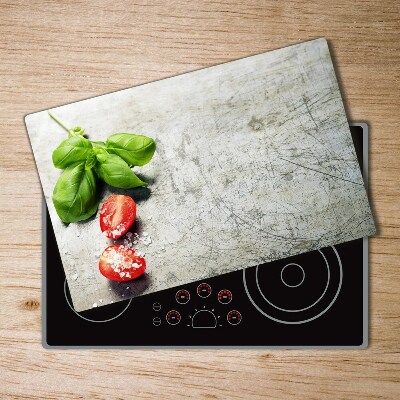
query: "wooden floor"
56, 52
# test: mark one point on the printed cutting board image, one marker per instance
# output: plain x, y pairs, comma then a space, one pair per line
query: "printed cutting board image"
254, 162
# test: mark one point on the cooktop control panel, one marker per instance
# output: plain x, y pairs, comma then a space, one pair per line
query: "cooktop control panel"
205, 308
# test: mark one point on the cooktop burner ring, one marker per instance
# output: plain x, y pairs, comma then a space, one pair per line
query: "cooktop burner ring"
89, 319
306, 314
302, 278
299, 309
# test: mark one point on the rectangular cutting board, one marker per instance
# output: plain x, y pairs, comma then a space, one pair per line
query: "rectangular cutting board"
254, 163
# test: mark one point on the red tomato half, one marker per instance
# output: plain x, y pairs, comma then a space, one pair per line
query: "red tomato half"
119, 263
117, 215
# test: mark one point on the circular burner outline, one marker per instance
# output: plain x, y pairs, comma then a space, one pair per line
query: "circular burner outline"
300, 309
88, 319
308, 319
293, 286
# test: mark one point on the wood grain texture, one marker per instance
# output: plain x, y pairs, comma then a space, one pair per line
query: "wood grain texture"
54, 52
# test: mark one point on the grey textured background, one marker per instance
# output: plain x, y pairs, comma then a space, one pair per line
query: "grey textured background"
254, 162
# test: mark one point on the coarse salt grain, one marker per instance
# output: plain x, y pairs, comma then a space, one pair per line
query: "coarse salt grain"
147, 241
101, 300
94, 305
75, 277
145, 234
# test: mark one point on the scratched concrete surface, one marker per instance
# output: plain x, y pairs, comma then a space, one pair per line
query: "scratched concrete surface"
254, 162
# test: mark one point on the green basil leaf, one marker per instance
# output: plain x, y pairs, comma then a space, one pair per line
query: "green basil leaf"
70, 151
90, 160
75, 194
133, 149
116, 172
101, 144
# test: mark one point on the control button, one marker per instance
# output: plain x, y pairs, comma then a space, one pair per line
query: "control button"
173, 317
156, 306
156, 321
182, 296
204, 290
234, 317
204, 319
225, 296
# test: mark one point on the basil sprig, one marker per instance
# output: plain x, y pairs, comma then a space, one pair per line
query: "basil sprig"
75, 196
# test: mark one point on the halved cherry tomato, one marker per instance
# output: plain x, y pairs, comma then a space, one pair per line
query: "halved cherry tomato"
117, 215
119, 263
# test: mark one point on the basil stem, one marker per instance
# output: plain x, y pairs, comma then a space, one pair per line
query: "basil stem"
77, 131
58, 121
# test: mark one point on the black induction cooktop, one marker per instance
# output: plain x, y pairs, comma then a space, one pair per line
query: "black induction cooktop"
315, 299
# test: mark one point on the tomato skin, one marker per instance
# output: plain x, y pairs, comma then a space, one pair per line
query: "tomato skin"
119, 263
117, 215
